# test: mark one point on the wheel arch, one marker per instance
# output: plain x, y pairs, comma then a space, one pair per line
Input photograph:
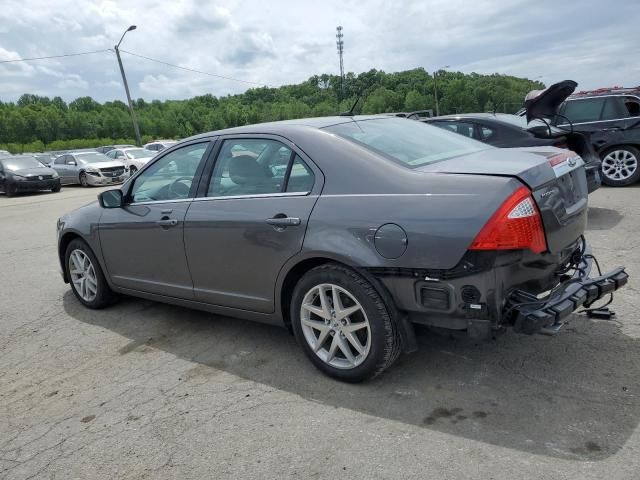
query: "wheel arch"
64, 242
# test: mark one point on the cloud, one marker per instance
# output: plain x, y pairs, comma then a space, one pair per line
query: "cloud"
283, 42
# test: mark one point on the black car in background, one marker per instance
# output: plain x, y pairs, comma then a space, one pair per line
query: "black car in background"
509, 131
24, 173
611, 117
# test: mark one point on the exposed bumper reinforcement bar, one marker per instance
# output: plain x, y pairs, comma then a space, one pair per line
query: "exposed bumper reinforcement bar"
545, 315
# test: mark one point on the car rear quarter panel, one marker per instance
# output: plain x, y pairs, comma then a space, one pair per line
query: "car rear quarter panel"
440, 213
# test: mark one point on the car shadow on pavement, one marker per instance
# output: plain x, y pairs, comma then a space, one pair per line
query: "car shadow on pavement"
602, 218
570, 396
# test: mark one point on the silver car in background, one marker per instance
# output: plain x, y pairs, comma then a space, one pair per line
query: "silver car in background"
134, 158
89, 168
158, 145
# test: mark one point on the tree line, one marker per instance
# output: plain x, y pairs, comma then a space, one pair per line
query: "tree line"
36, 123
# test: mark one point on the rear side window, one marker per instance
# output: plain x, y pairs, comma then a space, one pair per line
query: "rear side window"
632, 106
258, 167
407, 142
613, 109
587, 110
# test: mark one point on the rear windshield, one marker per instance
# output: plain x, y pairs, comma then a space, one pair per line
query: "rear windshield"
408, 142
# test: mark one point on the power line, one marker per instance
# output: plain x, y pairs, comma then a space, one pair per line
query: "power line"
53, 56
193, 70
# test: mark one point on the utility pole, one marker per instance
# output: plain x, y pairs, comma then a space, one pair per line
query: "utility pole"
340, 45
126, 88
435, 88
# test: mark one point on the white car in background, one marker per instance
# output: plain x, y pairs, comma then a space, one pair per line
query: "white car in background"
134, 158
158, 145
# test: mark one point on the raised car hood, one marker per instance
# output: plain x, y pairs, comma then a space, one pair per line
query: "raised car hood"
545, 103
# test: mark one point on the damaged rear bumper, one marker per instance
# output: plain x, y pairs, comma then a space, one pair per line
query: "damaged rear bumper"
532, 314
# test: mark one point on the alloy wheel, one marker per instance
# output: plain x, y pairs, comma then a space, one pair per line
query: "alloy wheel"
83, 275
619, 165
335, 326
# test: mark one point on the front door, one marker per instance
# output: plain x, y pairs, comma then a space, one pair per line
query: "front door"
142, 242
250, 221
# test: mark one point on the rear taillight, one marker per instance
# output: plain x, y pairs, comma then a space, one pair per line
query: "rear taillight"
516, 225
561, 144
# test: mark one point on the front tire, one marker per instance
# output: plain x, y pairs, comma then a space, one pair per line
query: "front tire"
83, 179
620, 166
56, 189
10, 190
132, 170
343, 325
86, 277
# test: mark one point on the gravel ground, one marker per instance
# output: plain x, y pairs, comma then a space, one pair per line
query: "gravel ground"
144, 390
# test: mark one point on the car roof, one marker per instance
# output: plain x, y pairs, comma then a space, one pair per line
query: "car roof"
295, 124
502, 118
606, 91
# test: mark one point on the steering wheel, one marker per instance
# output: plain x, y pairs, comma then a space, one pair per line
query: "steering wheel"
178, 189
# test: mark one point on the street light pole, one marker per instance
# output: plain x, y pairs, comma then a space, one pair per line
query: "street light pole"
126, 87
435, 89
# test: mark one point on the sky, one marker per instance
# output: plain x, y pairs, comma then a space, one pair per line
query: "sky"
275, 42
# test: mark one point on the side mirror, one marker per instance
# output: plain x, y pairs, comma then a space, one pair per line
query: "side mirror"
111, 199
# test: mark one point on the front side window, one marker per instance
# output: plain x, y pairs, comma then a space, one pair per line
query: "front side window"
407, 142
171, 177
257, 167
587, 110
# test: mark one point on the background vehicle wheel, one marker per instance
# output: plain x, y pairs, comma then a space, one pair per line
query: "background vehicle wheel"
10, 190
620, 166
86, 277
83, 180
56, 189
132, 170
343, 324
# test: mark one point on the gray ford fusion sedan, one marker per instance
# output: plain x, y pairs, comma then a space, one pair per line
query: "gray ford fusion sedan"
348, 231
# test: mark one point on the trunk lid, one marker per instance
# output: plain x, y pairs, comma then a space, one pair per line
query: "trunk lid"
555, 176
545, 103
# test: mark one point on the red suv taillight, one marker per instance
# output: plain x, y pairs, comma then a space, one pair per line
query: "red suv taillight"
517, 224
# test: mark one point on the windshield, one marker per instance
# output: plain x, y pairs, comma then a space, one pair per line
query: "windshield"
139, 153
408, 142
19, 163
92, 157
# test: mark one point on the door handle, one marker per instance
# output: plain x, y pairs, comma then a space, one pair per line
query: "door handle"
167, 222
283, 221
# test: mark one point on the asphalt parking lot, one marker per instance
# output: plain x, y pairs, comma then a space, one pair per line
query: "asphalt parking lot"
145, 390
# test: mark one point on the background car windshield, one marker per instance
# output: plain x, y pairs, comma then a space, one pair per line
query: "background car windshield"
90, 157
21, 162
408, 142
139, 153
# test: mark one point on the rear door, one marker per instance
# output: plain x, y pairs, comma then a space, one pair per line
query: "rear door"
251, 217
65, 171
602, 117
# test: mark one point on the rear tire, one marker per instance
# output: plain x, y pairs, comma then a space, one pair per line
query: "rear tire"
351, 334
85, 275
10, 190
620, 166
